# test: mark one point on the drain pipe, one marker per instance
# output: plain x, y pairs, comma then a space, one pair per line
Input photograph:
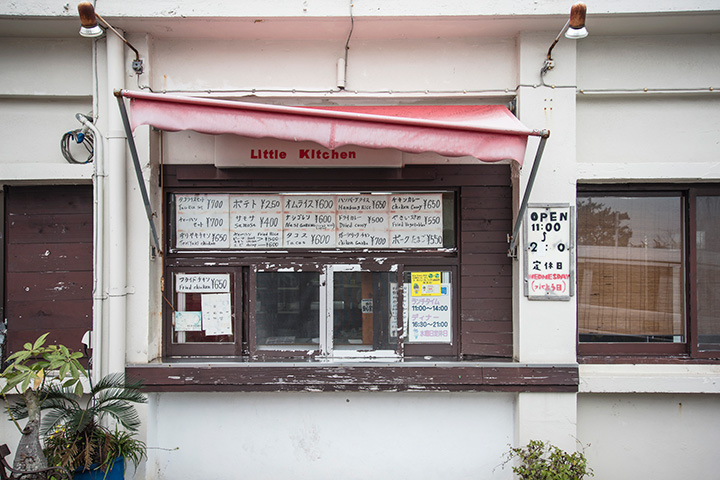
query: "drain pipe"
99, 245
115, 338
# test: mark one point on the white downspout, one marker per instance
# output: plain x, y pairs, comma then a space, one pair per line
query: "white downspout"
99, 245
115, 338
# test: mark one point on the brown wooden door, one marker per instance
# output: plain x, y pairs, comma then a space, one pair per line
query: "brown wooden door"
48, 276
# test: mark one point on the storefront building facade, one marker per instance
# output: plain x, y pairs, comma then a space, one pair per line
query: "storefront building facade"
374, 240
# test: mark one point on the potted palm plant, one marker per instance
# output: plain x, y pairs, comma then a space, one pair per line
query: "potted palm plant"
28, 374
77, 435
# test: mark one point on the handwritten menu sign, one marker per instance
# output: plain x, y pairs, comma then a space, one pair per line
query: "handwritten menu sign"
202, 282
549, 233
416, 220
309, 221
202, 221
363, 221
257, 221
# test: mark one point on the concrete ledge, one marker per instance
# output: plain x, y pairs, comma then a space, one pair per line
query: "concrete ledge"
648, 172
51, 172
649, 379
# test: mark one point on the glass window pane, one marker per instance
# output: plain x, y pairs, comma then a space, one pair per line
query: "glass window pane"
363, 313
708, 272
630, 269
287, 309
204, 308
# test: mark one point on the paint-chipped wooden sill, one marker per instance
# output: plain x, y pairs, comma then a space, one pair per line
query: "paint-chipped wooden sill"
196, 375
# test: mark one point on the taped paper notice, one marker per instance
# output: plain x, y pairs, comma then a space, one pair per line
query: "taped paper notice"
425, 284
188, 321
216, 314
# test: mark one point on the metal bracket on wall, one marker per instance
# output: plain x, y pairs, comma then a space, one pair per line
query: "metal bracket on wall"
138, 172
513, 237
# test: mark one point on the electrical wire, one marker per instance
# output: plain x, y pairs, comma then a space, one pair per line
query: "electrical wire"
81, 136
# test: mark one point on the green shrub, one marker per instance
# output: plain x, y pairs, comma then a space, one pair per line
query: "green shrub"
544, 461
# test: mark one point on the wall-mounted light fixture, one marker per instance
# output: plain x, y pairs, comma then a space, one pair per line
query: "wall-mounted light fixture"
90, 28
574, 29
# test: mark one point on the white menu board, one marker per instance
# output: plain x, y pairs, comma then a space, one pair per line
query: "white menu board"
255, 221
202, 282
308, 221
202, 221
416, 220
363, 221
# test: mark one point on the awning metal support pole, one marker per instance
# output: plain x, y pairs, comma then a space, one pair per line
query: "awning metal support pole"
513, 238
138, 170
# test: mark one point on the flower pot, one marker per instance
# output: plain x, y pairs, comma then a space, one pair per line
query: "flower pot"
116, 471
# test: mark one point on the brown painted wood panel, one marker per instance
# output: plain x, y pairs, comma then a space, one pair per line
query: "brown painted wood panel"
23, 287
70, 337
489, 338
498, 213
471, 327
49, 199
47, 315
48, 273
531, 375
485, 258
487, 292
42, 257
49, 228
488, 224
487, 192
484, 203
184, 377
486, 270
487, 281
487, 236
480, 350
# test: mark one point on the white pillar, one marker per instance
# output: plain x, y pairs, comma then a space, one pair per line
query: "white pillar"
547, 417
545, 330
117, 212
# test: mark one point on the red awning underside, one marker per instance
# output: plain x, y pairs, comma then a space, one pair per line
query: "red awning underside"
489, 133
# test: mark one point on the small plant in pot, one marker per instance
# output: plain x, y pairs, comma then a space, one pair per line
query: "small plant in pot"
28, 374
76, 435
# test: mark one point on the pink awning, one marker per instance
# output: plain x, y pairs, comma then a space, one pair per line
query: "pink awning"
487, 132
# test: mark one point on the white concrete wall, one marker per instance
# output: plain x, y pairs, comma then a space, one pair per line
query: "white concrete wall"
626, 133
43, 84
663, 437
375, 66
329, 435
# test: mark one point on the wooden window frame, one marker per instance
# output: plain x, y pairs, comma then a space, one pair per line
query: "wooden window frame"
482, 219
688, 350
244, 348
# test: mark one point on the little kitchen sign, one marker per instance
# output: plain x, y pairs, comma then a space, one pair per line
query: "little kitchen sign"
302, 154
232, 151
